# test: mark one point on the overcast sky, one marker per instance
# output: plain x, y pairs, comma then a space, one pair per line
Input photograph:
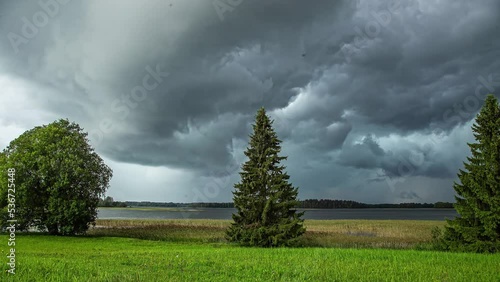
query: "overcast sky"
373, 100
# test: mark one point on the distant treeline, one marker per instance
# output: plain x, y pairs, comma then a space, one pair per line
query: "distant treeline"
306, 204
179, 205
109, 202
343, 204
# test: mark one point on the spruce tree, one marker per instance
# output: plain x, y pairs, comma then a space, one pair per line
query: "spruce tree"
477, 229
264, 199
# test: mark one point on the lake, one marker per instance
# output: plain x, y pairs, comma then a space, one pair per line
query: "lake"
225, 213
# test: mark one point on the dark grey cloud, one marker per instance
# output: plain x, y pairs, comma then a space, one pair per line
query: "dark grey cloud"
359, 90
366, 154
409, 196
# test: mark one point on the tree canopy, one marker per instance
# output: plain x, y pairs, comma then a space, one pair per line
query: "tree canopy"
264, 199
59, 179
477, 228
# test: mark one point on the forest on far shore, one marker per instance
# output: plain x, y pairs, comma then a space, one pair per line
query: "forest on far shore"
304, 204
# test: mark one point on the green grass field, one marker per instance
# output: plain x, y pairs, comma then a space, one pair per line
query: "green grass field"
194, 250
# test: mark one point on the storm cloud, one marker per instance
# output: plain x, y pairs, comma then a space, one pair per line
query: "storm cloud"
373, 99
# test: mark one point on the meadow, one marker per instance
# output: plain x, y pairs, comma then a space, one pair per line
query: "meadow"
396, 234
195, 250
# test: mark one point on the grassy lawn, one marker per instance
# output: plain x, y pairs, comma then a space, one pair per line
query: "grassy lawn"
195, 251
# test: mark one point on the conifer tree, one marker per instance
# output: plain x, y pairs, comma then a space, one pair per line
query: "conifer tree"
477, 229
264, 199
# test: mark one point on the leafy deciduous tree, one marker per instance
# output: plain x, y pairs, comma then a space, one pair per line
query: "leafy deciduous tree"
58, 176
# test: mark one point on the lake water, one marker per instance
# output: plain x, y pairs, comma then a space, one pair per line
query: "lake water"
225, 213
